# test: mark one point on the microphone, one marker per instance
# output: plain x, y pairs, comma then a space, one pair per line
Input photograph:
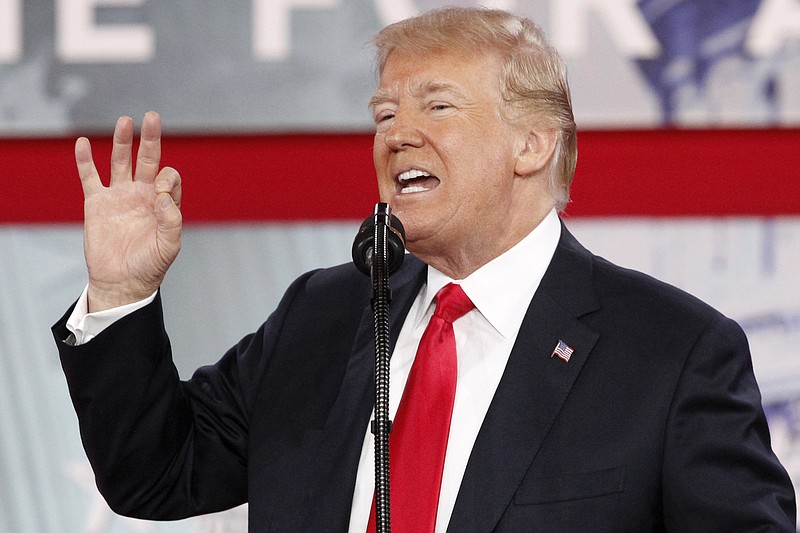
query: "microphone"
364, 244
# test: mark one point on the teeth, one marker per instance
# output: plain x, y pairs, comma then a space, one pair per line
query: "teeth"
411, 174
412, 189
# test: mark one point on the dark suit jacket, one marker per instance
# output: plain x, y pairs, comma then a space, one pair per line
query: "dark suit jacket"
654, 424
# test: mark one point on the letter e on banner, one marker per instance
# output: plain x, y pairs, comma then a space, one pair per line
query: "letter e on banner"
80, 40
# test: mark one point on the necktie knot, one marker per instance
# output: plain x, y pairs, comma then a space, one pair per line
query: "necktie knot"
452, 303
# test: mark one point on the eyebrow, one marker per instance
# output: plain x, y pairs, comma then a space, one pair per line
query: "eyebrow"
432, 87
380, 97
422, 90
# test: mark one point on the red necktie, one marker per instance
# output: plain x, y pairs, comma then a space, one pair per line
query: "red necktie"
418, 441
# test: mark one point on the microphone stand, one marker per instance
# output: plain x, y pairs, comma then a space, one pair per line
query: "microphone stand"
378, 251
381, 426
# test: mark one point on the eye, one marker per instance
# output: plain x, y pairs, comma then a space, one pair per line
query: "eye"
383, 115
440, 106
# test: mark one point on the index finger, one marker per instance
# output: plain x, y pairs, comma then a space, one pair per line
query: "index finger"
149, 155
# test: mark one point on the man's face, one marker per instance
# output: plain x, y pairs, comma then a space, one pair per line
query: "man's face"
444, 155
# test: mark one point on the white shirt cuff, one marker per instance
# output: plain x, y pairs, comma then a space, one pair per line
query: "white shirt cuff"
85, 325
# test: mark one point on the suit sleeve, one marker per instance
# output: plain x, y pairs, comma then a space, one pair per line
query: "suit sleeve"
161, 448
720, 473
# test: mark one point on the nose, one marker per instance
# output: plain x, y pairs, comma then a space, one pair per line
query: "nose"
404, 132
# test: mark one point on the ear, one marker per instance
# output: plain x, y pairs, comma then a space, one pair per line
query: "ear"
537, 151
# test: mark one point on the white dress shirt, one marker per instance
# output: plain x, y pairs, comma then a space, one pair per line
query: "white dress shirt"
501, 291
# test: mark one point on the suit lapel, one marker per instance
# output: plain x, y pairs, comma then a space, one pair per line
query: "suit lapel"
533, 388
343, 435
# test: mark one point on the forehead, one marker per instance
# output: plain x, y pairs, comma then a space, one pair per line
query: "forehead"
453, 71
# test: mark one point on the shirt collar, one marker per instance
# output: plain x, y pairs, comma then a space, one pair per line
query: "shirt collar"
503, 288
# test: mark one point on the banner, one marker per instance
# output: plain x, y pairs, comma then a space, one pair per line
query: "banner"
305, 65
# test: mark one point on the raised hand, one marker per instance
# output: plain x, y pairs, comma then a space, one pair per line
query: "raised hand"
132, 228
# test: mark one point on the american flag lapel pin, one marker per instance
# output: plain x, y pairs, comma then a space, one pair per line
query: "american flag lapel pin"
562, 350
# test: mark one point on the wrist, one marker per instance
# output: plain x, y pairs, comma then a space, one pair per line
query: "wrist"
101, 298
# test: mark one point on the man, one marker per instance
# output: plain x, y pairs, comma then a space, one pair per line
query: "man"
588, 397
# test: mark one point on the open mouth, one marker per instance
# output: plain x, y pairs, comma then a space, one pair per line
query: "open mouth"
414, 180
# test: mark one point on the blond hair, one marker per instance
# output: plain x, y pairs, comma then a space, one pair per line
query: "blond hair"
534, 84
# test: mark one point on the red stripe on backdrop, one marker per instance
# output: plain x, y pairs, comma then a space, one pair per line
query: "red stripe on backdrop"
326, 177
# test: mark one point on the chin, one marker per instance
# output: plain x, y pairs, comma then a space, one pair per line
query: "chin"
419, 243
